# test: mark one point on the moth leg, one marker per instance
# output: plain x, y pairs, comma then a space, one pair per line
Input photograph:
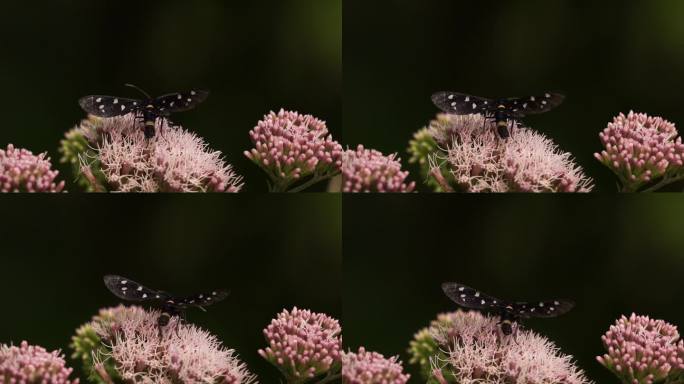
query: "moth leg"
515, 124
515, 334
161, 126
140, 120
182, 319
484, 121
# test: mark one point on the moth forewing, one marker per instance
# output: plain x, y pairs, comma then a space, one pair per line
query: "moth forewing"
108, 106
180, 101
130, 290
544, 309
471, 298
461, 104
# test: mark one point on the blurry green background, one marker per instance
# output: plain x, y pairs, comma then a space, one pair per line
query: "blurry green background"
611, 256
606, 56
271, 253
254, 56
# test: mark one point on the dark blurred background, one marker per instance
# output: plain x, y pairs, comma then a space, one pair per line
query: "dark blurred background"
271, 253
254, 56
611, 256
606, 56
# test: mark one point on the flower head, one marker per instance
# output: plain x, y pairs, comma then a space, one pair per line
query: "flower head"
640, 149
142, 352
367, 170
643, 350
175, 160
291, 147
472, 349
364, 367
303, 344
22, 171
472, 158
29, 364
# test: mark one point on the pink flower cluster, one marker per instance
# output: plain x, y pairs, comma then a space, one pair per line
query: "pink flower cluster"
642, 350
175, 160
367, 170
29, 364
641, 148
364, 367
475, 351
475, 159
178, 352
22, 171
303, 344
290, 147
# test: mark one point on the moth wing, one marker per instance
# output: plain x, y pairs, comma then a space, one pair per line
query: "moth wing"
461, 104
542, 309
523, 106
108, 106
200, 300
180, 101
129, 290
471, 298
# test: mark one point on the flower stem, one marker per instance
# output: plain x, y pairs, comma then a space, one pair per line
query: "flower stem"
439, 178
313, 180
102, 373
329, 378
663, 183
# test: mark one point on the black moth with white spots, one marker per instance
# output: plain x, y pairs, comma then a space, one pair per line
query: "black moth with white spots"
170, 305
509, 312
501, 111
146, 110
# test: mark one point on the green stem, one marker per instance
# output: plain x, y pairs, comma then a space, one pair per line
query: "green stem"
315, 179
329, 378
663, 183
279, 186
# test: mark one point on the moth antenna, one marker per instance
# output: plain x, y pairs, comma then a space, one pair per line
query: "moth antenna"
202, 308
139, 89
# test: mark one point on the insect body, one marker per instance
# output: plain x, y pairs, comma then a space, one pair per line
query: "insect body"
501, 111
509, 312
147, 110
170, 305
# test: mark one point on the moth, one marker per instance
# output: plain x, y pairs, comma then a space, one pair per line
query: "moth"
171, 305
502, 111
510, 313
146, 110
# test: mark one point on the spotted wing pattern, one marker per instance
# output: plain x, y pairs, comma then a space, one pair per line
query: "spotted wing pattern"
471, 298
523, 106
200, 300
108, 106
180, 102
542, 309
462, 104
128, 289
